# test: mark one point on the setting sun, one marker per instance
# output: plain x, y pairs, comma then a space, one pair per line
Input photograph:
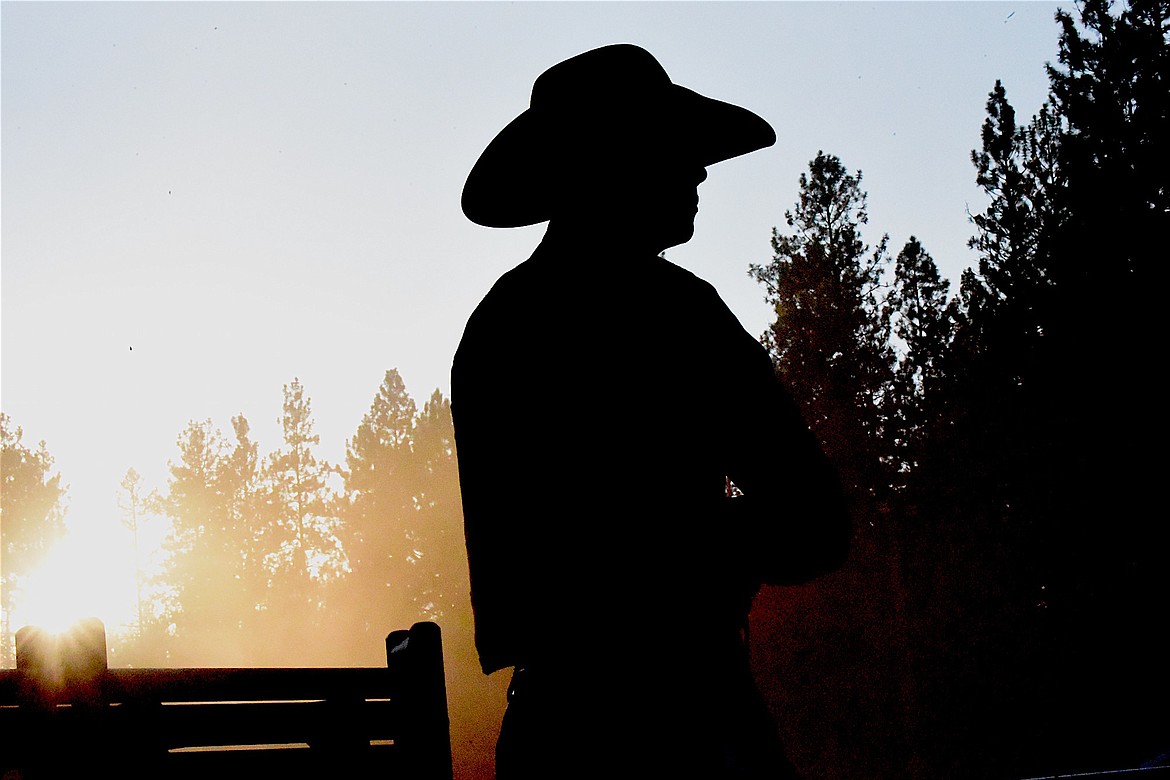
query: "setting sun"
88, 573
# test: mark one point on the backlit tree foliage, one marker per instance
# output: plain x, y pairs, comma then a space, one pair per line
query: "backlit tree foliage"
829, 342
301, 524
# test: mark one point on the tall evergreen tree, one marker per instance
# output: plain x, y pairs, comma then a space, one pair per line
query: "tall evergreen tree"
403, 508
438, 588
993, 440
202, 557
241, 484
142, 513
1010, 229
303, 549
921, 320
133, 504
829, 341
1114, 206
983, 468
379, 464
1110, 85
379, 479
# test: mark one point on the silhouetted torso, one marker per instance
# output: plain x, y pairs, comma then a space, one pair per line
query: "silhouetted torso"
601, 399
569, 390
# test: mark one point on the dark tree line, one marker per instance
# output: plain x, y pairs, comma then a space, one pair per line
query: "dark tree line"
1000, 614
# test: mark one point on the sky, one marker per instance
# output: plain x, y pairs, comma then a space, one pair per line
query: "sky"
202, 201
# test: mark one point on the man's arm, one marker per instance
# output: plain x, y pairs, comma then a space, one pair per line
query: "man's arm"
793, 510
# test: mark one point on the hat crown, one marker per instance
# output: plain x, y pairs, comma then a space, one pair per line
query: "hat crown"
620, 73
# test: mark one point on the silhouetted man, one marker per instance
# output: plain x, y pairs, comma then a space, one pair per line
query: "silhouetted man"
602, 399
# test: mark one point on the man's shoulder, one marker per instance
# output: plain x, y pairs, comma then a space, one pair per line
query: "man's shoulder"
684, 279
505, 311
507, 293
694, 294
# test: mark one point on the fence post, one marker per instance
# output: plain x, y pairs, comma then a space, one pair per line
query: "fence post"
84, 663
69, 667
415, 658
54, 669
36, 664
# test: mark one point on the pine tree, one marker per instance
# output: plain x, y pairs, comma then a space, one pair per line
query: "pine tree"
829, 341
379, 463
302, 548
921, 319
1114, 208
1110, 85
379, 479
133, 503
142, 513
438, 588
830, 344
201, 561
404, 515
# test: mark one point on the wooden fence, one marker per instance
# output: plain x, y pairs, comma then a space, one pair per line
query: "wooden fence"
65, 714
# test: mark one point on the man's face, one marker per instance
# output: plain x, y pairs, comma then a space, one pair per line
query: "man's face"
665, 198
648, 198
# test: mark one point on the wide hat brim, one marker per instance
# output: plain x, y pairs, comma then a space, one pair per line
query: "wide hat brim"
590, 104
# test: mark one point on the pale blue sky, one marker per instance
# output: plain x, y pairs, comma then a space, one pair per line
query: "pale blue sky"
245, 193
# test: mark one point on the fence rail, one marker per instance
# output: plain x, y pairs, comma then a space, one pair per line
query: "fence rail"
63, 713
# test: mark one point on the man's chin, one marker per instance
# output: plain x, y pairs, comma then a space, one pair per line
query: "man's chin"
678, 237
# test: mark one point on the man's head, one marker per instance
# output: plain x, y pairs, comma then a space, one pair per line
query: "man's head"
609, 137
647, 200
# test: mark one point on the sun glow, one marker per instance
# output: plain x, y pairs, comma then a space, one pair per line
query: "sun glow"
90, 572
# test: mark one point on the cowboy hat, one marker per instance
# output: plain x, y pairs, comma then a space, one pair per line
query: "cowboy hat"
614, 98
